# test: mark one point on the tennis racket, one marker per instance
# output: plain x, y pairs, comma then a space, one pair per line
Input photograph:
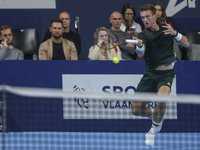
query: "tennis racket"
108, 40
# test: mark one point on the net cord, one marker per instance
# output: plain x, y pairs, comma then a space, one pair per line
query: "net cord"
59, 93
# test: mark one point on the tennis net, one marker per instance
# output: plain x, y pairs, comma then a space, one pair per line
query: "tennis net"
37, 118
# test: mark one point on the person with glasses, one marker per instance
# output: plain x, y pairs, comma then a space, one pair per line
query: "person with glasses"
7, 51
127, 49
128, 24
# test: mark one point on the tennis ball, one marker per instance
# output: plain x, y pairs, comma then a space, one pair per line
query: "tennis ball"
115, 60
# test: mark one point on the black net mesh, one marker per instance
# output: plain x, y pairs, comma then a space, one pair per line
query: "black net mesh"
91, 123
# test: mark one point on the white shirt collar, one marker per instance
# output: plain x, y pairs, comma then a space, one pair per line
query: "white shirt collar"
11, 47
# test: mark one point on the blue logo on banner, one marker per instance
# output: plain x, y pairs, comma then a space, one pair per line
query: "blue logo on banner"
83, 103
118, 89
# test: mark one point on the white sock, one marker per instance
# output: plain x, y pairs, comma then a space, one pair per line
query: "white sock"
156, 124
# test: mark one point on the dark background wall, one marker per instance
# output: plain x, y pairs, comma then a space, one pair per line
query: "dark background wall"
94, 14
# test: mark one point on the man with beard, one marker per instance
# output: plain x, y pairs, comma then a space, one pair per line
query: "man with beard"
68, 33
7, 51
57, 48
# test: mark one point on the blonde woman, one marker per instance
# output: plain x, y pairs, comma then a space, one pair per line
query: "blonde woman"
103, 48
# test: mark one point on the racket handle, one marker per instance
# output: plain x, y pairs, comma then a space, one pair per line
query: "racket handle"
131, 41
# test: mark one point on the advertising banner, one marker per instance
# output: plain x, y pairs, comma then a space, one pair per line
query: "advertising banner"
79, 108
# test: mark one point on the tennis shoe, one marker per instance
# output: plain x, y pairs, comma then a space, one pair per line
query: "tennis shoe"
150, 137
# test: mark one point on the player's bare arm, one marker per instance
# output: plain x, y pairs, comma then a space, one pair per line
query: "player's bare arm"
179, 37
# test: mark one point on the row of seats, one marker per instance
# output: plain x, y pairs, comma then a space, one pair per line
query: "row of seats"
193, 52
26, 40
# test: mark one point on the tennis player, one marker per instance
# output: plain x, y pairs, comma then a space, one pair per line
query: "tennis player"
155, 43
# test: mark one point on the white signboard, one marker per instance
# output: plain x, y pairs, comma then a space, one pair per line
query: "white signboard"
79, 108
27, 4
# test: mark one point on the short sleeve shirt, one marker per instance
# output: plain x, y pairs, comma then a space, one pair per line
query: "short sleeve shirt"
159, 48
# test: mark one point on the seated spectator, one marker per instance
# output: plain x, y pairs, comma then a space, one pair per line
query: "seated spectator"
7, 51
103, 48
68, 33
57, 48
127, 49
128, 24
161, 15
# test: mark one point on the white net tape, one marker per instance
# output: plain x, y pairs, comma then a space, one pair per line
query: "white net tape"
58, 93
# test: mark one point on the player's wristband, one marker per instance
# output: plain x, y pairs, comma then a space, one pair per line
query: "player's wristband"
178, 36
140, 48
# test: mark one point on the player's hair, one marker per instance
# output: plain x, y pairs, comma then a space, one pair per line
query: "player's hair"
148, 7
56, 20
96, 34
163, 17
128, 6
4, 27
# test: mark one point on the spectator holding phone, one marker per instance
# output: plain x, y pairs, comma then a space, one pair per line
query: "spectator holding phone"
128, 24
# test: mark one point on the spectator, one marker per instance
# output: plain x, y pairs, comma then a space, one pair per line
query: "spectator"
128, 24
68, 33
127, 49
161, 14
57, 48
103, 48
7, 51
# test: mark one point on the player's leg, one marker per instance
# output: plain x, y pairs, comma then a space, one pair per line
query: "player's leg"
164, 83
140, 109
145, 85
158, 117
159, 111
164, 88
